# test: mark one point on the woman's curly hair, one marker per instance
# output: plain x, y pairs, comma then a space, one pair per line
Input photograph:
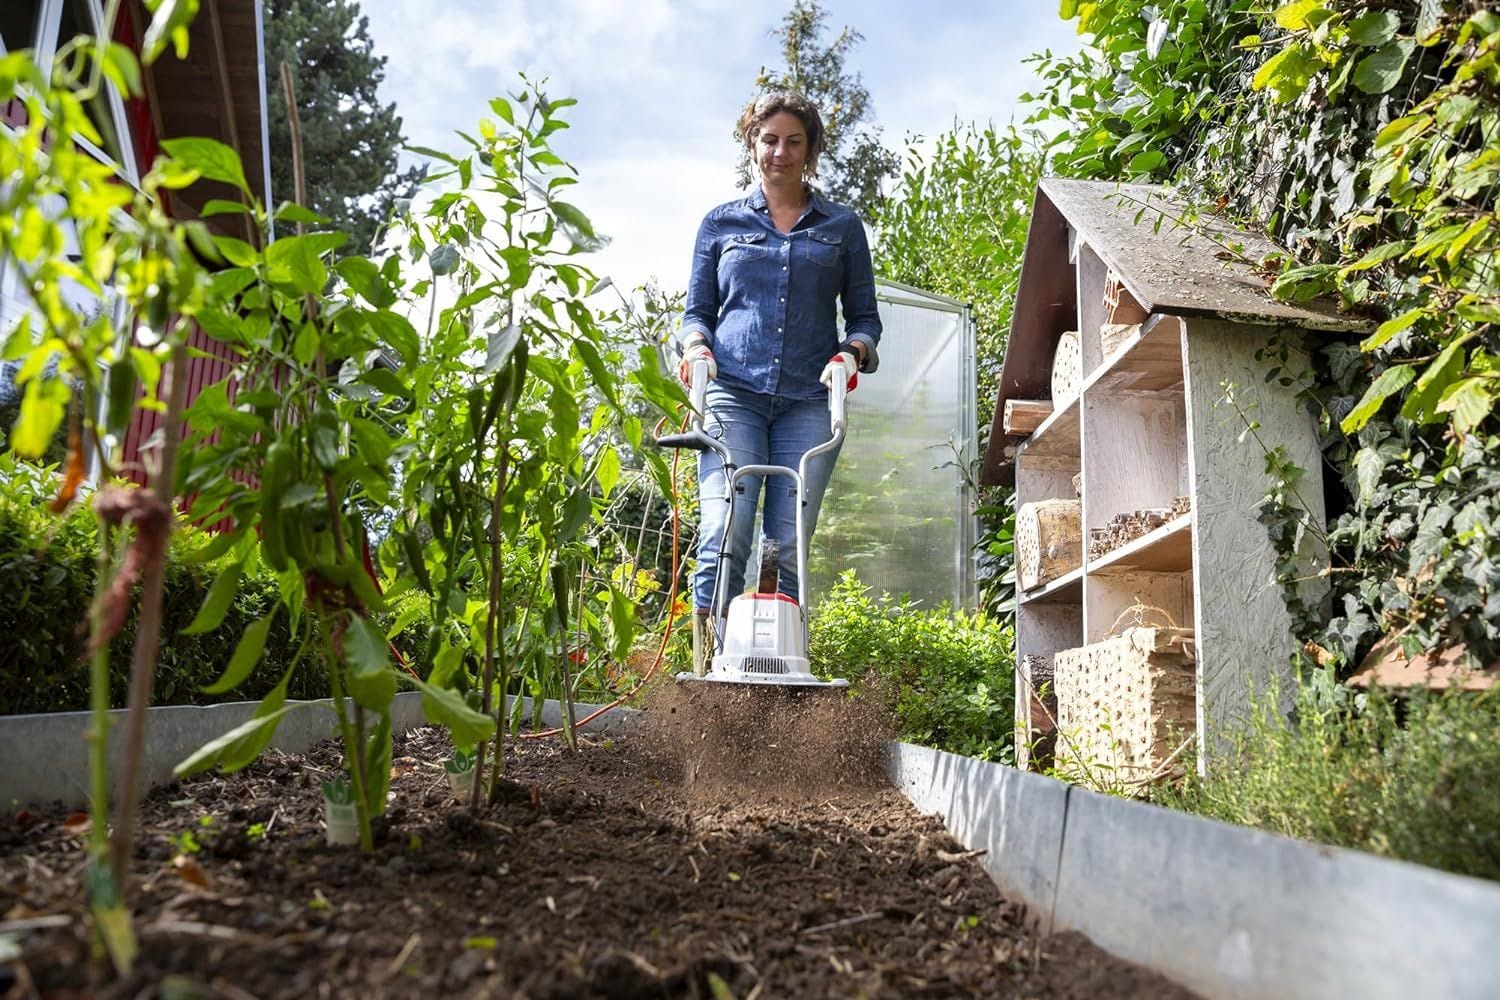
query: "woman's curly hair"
753, 118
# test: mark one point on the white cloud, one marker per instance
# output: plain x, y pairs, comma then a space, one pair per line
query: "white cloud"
660, 81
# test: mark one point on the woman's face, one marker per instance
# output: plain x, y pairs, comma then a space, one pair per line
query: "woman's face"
781, 147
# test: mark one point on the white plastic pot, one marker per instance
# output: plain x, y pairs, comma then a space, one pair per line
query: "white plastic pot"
343, 823
462, 783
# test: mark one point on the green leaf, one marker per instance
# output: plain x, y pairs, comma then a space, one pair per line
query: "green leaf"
1375, 28
1421, 402
1293, 16
397, 332
293, 213
378, 766
621, 623
43, 407
247, 653
608, 471
1389, 382
219, 206
1390, 328
122, 69
216, 604
365, 647
365, 278
498, 347
1368, 465
1147, 162
242, 744
1469, 401
1287, 73
169, 20
573, 217
1379, 255
443, 259
1300, 284
501, 107
1067, 9
211, 158
1381, 70
446, 707
576, 510
1410, 126
297, 260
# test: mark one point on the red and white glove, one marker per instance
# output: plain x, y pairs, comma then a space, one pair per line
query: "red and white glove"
846, 361
696, 351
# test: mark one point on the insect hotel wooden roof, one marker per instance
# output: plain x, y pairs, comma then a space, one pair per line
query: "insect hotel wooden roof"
1169, 259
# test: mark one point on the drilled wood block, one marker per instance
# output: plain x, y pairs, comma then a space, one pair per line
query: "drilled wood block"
1067, 368
1124, 706
1049, 540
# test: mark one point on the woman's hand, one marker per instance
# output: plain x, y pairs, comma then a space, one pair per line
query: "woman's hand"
850, 366
696, 351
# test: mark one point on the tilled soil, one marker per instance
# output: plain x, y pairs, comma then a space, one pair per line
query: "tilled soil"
671, 862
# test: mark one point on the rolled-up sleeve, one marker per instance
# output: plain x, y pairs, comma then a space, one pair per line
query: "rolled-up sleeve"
701, 311
861, 318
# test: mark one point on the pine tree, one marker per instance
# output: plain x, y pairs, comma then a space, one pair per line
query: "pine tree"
854, 163
350, 141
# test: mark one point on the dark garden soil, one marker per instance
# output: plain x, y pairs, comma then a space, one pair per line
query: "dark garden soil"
712, 852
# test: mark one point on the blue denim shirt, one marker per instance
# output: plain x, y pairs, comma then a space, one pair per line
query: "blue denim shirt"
764, 299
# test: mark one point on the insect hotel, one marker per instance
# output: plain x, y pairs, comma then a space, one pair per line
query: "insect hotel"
1147, 612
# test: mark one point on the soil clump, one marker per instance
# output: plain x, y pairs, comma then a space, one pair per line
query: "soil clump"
711, 852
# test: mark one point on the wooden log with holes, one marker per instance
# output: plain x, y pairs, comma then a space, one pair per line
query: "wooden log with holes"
1049, 540
1022, 416
1125, 707
1067, 368
1113, 336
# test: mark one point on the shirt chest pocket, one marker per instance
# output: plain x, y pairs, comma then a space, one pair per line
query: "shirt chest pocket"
824, 249
742, 247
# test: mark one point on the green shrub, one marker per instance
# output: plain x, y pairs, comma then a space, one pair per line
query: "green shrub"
948, 678
47, 565
1415, 779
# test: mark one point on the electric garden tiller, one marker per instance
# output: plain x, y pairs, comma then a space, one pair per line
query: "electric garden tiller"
763, 638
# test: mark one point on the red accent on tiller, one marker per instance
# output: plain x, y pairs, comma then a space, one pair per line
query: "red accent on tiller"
771, 597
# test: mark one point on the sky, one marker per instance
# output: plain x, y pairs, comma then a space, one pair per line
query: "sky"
660, 83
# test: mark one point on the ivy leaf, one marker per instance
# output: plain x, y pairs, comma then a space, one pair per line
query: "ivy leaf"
1431, 535
1380, 71
1389, 382
1368, 465
1421, 402
1374, 29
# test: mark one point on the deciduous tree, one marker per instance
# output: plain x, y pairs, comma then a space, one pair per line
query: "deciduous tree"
854, 163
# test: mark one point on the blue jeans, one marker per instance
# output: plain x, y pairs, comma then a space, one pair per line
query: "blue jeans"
759, 430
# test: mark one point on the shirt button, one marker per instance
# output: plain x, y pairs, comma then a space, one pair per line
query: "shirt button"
783, 299
783, 267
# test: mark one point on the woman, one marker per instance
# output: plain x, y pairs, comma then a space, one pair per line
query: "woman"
767, 271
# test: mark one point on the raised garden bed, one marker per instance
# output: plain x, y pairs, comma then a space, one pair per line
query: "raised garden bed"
627, 869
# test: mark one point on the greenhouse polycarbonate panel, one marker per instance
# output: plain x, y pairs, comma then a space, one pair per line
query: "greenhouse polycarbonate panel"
897, 510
